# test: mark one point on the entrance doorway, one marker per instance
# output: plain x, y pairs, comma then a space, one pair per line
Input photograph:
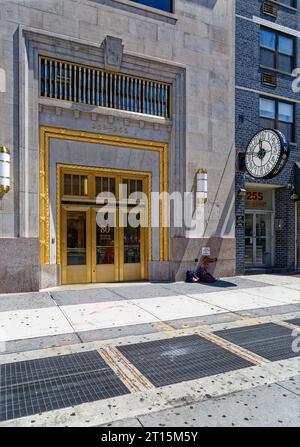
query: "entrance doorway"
297, 224
107, 242
258, 239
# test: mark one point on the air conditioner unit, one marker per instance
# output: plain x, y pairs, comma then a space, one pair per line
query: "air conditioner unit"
268, 9
269, 79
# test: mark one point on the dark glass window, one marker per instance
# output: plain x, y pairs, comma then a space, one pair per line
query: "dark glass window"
277, 50
164, 5
292, 3
279, 115
75, 185
105, 184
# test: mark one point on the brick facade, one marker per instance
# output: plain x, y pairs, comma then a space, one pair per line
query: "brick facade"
248, 91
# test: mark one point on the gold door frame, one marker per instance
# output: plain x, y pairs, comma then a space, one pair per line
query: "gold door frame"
89, 200
65, 134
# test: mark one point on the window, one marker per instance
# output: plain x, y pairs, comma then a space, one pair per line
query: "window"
291, 3
164, 5
279, 115
277, 50
75, 185
88, 85
105, 184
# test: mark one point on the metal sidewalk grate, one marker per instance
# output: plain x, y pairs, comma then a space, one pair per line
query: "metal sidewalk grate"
36, 386
47, 368
179, 359
269, 340
295, 321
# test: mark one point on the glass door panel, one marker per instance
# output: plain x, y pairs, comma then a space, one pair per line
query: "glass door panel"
104, 247
298, 235
258, 240
263, 239
75, 245
133, 247
249, 249
76, 238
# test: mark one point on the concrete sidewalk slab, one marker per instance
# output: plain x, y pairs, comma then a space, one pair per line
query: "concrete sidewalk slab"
44, 342
274, 279
19, 301
117, 332
175, 307
236, 300
204, 320
31, 323
131, 292
266, 406
106, 315
221, 285
293, 385
73, 297
279, 293
269, 311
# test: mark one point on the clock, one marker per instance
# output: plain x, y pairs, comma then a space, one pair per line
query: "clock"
266, 154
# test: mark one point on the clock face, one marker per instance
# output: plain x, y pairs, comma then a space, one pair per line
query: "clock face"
266, 154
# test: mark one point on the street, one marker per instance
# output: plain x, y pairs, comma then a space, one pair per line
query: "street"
162, 354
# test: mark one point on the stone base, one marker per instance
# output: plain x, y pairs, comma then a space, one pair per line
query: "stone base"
19, 265
20, 270
184, 252
49, 276
160, 271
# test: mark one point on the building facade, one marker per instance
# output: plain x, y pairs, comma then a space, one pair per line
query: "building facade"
267, 52
98, 94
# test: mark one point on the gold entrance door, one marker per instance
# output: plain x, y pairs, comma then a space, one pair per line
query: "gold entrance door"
132, 246
76, 243
103, 243
105, 247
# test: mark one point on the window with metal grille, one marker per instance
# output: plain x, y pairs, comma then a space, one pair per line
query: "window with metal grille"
87, 85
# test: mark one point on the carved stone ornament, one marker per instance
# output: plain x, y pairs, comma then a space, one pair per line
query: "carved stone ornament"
113, 53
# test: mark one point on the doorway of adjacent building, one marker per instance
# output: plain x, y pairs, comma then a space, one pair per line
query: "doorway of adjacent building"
107, 242
297, 224
258, 239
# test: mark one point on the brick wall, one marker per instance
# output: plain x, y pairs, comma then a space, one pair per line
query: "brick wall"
248, 76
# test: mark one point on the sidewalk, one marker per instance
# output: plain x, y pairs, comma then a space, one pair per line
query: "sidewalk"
275, 405
153, 354
56, 318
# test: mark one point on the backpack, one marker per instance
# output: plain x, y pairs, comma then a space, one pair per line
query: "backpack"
191, 277
204, 276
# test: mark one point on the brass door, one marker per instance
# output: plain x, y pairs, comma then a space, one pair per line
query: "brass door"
109, 250
76, 245
132, 246
105, 248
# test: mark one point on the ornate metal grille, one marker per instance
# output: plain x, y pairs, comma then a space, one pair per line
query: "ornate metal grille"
87, 85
